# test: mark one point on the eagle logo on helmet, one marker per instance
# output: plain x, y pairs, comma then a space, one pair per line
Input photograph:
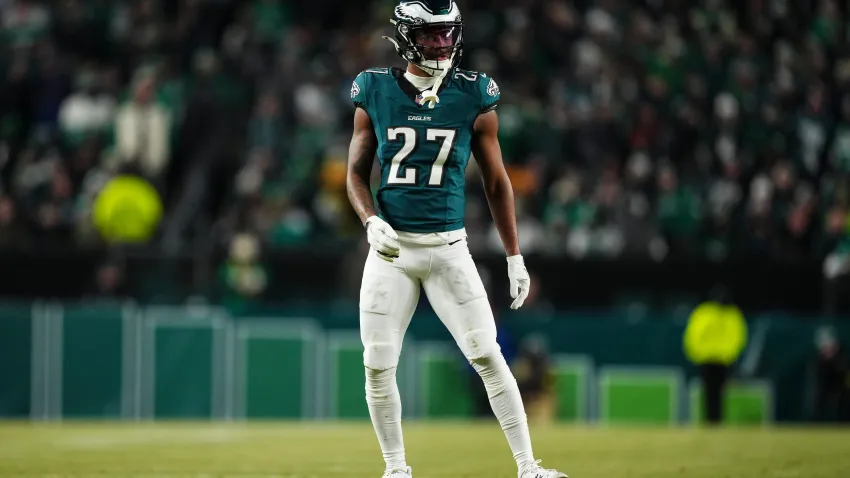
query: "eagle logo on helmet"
406, 12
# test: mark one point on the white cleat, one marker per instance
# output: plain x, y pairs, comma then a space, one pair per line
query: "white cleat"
534, 470
399, 473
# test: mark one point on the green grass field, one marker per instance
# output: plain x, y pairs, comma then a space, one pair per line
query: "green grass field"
433, 450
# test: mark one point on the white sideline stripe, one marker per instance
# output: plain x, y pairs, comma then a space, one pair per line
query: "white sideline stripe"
109, 440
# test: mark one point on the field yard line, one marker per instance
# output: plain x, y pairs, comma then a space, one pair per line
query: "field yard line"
106, 440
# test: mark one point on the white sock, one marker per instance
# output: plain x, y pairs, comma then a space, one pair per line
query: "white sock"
384, 403
503, 392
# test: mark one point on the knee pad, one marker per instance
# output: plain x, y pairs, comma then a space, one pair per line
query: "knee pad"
480, 343
380, 385
495, 374
381, 350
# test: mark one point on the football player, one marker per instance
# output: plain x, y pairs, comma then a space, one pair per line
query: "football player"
423, 123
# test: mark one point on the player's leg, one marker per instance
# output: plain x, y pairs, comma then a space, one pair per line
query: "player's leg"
388, 297
456, 292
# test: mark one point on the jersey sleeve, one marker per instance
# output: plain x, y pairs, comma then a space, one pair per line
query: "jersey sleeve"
490, 93
359, 92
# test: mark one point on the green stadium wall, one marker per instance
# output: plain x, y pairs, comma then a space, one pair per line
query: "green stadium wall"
119, 361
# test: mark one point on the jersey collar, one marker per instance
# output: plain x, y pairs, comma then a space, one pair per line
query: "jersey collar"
409, 90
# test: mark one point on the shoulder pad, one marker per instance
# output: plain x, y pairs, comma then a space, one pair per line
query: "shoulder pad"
361, 84
484, 87
490, 93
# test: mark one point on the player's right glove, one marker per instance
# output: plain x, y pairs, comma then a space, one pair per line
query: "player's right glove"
382, 238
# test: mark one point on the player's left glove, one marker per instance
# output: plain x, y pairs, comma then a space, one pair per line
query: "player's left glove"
519, 279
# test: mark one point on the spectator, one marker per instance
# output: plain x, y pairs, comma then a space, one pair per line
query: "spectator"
25, 22
142, 129
679, 212
534, 377
12, 234
714, 338
242, 277
87, 111
832, 402
109, 283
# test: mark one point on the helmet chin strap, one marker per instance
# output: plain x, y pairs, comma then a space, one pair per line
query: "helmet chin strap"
430, 97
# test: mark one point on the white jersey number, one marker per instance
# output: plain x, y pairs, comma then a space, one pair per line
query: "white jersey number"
466, 75
401, 175
409, 135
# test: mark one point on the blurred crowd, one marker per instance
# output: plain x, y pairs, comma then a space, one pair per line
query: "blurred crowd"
646, 128
94, 88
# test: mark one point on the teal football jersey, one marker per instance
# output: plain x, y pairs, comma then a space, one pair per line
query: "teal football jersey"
423, 152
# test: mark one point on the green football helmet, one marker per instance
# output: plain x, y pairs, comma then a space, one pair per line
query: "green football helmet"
428, 34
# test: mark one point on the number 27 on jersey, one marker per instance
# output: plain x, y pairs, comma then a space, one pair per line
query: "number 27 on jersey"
406, 175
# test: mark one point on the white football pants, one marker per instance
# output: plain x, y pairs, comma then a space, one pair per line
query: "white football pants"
389, 294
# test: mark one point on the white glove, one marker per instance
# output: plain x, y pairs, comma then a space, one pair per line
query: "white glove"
519, 279
382, 238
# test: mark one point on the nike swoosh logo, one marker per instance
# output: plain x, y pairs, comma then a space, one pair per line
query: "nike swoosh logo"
455, 242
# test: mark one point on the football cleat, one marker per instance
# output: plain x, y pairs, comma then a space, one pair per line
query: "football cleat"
399, 473
534, 470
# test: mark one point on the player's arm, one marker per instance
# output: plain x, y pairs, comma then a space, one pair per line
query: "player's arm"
500, 197
361, 155
497, 185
